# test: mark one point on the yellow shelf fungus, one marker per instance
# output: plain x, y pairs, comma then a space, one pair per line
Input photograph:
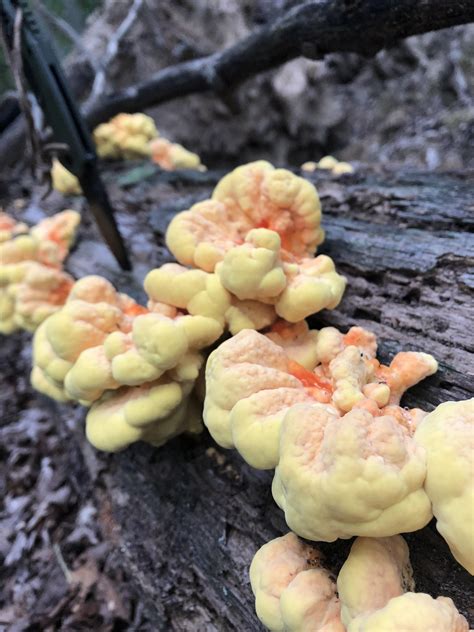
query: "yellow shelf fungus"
447, 435
32, 283
254, 379
125, 136
328, 163
258, 234
374, 590
136, 368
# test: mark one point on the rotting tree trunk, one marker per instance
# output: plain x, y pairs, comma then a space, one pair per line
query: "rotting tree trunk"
188, 517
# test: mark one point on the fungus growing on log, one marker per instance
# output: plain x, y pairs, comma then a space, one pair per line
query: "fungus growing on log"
125, 136
32, 283
253, 380
136, 368
447, 435
374, 590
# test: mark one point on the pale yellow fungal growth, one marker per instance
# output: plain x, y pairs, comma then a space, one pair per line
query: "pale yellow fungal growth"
171, 156
374, 587
63, 180
125, 136
153, 412
258, 232
202, 294
41, 292
254, 270
413, 612
377, 570
155, 344
447, 435
255, 195
328, 163
353, 475
292, 593
313, 285
32, 284
10, 228
93, 311
48, 242
137, 368
253, 380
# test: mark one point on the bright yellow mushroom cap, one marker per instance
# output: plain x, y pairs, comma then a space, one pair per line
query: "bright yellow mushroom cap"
292, 593
353, 475
447, 435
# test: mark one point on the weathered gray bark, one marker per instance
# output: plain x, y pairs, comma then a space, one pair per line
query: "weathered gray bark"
188, 517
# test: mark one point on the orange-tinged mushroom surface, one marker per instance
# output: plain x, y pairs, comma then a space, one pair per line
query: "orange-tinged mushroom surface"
171, 156
292, 592
257, 234
32, 283
10, 228
253, 380
255, 195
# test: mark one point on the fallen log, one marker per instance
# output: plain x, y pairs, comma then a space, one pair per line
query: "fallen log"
187, 518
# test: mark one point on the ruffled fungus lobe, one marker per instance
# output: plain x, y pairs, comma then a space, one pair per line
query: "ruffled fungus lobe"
10, 228
171, 156
253, 380
200, 293
292, 593
137, 368
351, 475
416, 612
63, 180
125, 136
258, 233
32, 284
447, 435
374, 584
377, 570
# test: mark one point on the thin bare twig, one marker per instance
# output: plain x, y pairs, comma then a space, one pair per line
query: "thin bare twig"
100, 80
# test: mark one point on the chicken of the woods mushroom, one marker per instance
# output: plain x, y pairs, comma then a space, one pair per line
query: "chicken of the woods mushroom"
258, 233
447, 435
374, 590
136, 368
32, 282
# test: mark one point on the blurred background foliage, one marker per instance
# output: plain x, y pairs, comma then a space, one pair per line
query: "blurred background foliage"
74, 12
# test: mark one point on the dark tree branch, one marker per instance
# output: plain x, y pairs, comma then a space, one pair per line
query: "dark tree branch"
311, 29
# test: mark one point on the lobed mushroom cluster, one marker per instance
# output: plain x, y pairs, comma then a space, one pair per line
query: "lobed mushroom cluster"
374, 590
33, 284
315, 406
128, 137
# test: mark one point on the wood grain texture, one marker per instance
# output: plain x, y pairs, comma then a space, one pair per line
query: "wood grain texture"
188, 517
